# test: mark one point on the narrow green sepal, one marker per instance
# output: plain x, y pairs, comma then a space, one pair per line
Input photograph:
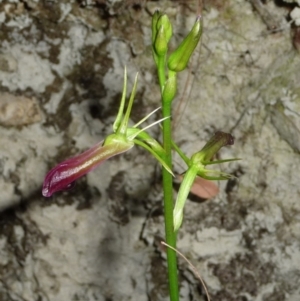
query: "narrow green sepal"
183, 192
119, 117
124, 124
181, 153
156, 156
179, 59
220, 161
144, 136
219, 177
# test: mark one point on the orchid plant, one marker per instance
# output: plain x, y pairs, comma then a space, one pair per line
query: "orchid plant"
64, 175
125, 137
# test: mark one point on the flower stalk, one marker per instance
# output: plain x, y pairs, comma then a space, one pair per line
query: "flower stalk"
197, 167
161, 34
124, 137
64, 175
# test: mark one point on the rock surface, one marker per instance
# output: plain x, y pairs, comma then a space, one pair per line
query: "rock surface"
61, 75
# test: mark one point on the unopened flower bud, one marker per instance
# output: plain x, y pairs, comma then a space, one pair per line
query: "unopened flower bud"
165, 22
161, 34
155, 18
170, 89
219, 140
160, 44
179, 59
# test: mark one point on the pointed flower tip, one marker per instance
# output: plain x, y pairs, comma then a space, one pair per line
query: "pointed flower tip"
198, 18
177, 219
219, 140
180, 57
64, 175
226, 138
59, 178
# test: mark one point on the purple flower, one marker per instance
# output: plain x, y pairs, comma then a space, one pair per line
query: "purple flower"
62, 176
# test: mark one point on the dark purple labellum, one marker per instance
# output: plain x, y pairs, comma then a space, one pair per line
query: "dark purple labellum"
229, 139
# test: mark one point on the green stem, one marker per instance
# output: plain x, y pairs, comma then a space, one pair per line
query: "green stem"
181, 153
168, 206
168, 187
161, 73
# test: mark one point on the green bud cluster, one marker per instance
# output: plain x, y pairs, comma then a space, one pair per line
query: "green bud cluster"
161, 34
178, 59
